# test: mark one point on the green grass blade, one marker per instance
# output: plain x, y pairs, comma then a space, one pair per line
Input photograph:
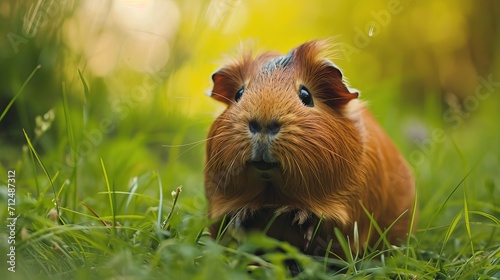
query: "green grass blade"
487, 216
198, 237
135, 194
314, 233
356, 239
160, 204
327, 255
222, 229
450, 230
110, 196
346, 248
467, 222
382, 234
176, 197
410, 230
86, 92
19, 92
270, 223
35, 175
72, 142
67, 118
30, 145
442, 206
131, 194
459, 152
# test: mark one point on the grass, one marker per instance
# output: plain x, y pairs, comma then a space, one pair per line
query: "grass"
118, 193
82, 220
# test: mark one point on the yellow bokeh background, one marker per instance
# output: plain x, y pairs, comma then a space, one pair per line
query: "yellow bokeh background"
415, 48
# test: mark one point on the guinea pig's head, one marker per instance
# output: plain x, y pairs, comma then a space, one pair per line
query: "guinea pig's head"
290, 134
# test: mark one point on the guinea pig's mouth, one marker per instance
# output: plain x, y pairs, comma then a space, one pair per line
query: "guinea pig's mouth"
264, 165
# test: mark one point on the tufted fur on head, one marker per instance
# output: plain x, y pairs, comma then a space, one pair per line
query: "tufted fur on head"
296, 145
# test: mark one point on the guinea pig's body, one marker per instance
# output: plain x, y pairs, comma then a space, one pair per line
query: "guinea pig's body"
295, 148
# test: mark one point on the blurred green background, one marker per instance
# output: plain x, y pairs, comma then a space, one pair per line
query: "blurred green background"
151, 60
429, 71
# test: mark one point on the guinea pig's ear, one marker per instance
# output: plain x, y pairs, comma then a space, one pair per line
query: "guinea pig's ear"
225, 86
335, 91
229, 79
320, 74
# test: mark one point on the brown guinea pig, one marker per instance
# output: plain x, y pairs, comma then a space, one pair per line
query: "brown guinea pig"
296, 153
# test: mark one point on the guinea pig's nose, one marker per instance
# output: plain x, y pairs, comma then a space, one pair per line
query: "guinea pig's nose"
272, 128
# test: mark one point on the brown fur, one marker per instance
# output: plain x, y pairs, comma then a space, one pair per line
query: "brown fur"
333, 158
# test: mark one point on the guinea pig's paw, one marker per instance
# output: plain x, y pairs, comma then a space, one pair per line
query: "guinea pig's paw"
308, 236
301, 216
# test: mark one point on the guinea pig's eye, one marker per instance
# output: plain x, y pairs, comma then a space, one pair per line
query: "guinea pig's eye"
239, 93
305, 96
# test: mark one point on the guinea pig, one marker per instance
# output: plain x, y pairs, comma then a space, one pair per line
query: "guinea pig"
297, 154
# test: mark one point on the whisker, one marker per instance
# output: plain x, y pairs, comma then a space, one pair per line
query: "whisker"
302, 176
312, 163
223, 97
229, 169
210, 162
194, 144
287, 169
214, 157
185, 145
341, 157
226, 173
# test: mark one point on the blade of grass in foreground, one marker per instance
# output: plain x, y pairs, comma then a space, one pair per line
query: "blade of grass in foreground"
35, 174
72, 143
175, 194
86, 92
30, 145
410, 230
160, 203
110, 196
450, 230
19, 91
467, 222
314, 234
442, 206
131, 193
383, 234
346, 248
327, 254
487, 216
